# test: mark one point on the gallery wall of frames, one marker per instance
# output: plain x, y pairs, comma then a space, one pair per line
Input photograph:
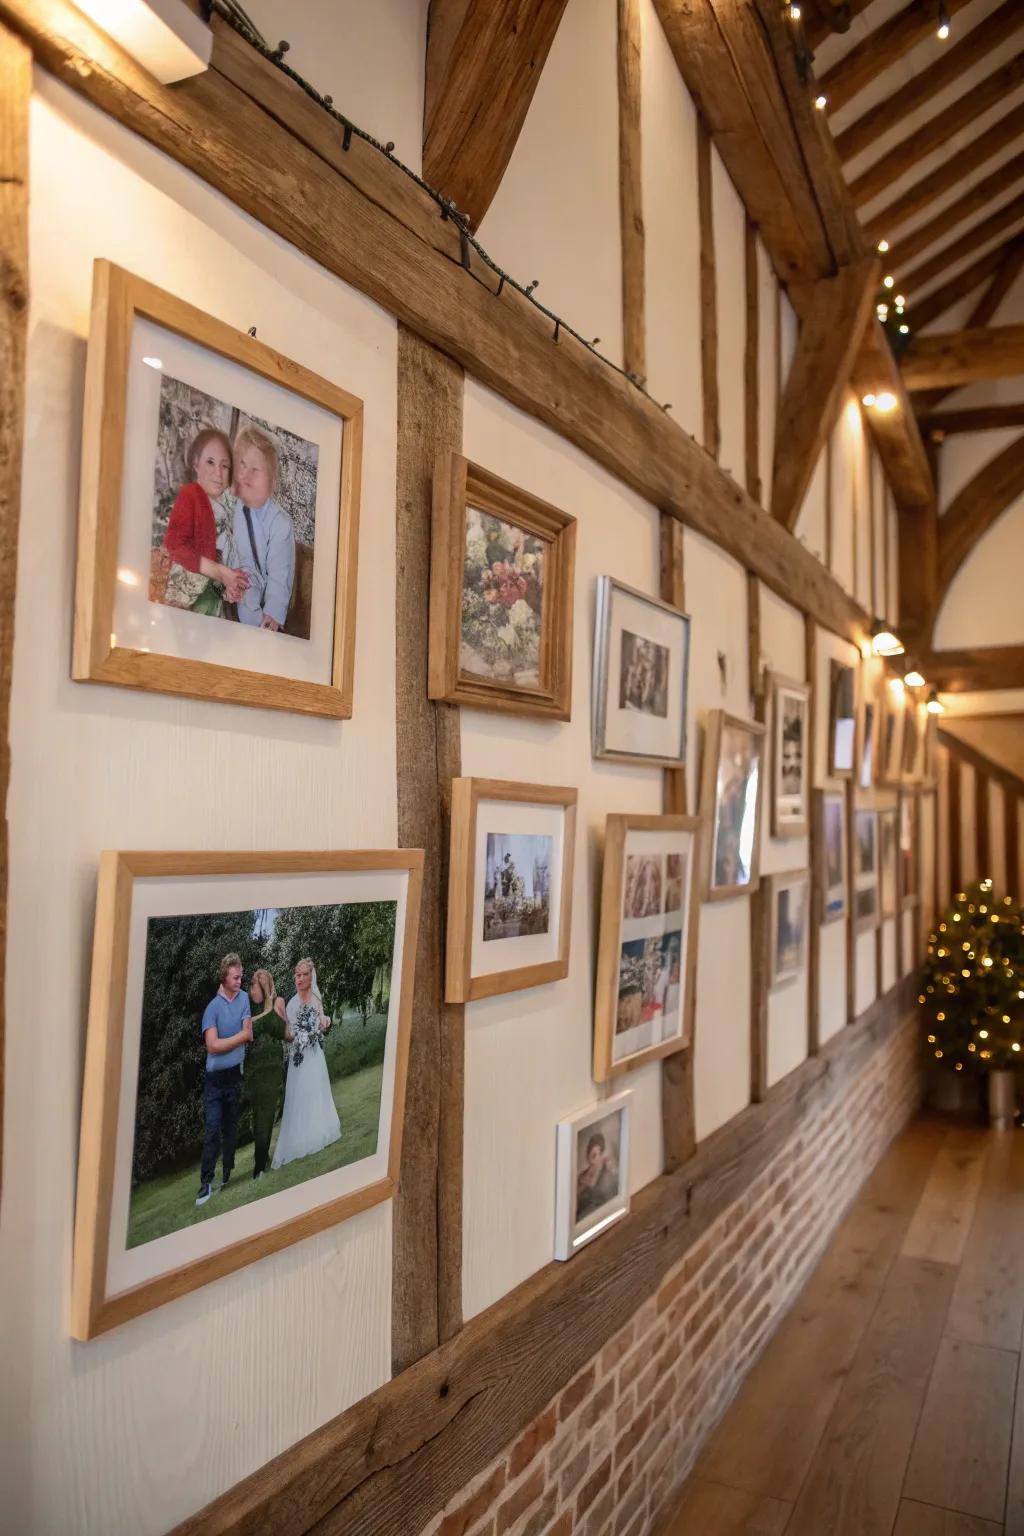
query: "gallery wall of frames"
207, 1156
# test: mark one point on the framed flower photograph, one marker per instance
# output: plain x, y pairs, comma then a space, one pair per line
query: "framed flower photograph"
731, 794
790, 904
647, 944
831, 876
509, 887
219, 511
842, 720
790, 756
245, 1063
909, 878
865, 868
887, 861
592, 1173
641, 671
501, 595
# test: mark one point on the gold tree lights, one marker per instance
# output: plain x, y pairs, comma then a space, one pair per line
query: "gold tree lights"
972, 991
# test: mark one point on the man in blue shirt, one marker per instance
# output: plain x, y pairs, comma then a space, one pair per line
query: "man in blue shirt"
227, 1030
263, 532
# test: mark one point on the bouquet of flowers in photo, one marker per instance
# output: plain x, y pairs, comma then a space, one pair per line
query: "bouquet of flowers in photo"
307, 1034
501, 598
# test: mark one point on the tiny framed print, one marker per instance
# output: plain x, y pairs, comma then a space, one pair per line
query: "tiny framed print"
592, 1190
501, 595
909, 878
647, 946
731, 795
842, 719
867, 718
641, 671
790, 756
219, 511
245, 1063
887, 862
830, 809
915, 720
789, 916
894, 712
865, 867
509, 887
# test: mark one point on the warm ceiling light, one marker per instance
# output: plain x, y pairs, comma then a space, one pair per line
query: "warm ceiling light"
794, 13
899, 301
888, 281
882, 311
935, 704
886, 401
867, 399
904, 330
913, 678
164, 36
885, 643
821, 102
882, 247
944, 31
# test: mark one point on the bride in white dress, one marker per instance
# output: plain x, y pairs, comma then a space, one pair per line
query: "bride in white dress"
309, 1121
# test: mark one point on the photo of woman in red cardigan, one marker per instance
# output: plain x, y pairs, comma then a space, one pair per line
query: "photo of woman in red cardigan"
191, 540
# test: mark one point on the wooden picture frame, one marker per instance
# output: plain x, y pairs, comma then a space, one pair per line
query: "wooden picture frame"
640, 914
783, 966
842, 719
722, 861
474, 847
134, 890
784, 823
460, 490
867, 737
914, 724
831, 875
909, 848
580, 1215
893, 716
888, 862
865, 881
622, 724
122, 302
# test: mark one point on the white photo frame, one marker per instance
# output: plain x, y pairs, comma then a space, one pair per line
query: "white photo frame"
592, 1161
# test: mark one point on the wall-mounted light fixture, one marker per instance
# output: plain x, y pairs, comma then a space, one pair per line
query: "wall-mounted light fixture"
913, 678
883, 641
164, 36
935, 704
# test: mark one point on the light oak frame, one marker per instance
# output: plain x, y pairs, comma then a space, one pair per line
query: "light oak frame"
717, 720
864, 924
118, 296
777, 684
92, 1311
821, 913
458, 485
835, 673
886, 910
777, 883
461, 986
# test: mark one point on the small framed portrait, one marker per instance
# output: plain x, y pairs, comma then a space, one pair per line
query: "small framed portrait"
245, 1063
842, 720
830, 809
592, 1191
789, 917
641, 670
909, 877
647, 947
219, 511
790, 756
865, 867
501, 595
894, 712
731, 793
887, 861
509, 887
866, 744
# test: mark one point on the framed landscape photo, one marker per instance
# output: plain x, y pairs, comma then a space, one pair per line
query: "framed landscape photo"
865, 868
790, 913
592, 1190
501, 595
219, 511
647, 945
245, 1063
791, 756
830, 810
641, 672
731, 796
909, 879
887, 861
509, 887
842, 719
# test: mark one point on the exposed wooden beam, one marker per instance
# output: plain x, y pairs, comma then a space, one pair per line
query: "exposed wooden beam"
1007, 217
980, 418
952, 358
711, 436
911, 150
925, 310
484, 60
895, 432
997, 185
751, 365
937, 183
823, 17
982, 669
953, 61
884, 46
975, 508
631, 206
830, 337
1005, 276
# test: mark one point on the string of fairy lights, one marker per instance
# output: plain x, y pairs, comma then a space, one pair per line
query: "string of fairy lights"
973, 986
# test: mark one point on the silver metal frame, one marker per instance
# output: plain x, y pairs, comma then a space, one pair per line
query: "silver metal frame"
606, 588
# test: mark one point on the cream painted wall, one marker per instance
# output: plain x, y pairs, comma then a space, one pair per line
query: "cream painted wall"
767, 368
983, 605
132, 1432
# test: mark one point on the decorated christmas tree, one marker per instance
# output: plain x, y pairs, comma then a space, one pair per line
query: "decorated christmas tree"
972, 993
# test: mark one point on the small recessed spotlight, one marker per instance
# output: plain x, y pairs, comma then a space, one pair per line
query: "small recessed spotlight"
868, 400
794, 13
943, 32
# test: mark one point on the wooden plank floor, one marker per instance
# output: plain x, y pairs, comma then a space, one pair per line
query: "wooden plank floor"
891, 1400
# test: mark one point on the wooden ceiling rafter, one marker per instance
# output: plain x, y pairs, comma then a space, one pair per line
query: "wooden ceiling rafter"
882, 47
824, 17
923, 311
975, 418
999, 182
984, 312
949, 359
978, 235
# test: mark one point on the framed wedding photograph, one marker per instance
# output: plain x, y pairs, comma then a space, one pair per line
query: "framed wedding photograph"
865, 868
641, 672
894, 711
592, 1189
842, 720
831, 877
647, 943
790, 911
887, 861
791, 754
731, 798
219, 511
909, 880
501, 595
245, 1063
509, 887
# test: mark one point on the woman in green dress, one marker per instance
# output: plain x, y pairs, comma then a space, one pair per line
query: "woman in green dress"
264, 1063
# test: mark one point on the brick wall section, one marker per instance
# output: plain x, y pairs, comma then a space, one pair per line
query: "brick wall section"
605, 1455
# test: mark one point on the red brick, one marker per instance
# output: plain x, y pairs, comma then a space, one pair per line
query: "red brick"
599, 1515
596, 1408
639, 1526
597, 1480
520, 1500
630, 1439
476, 1506
641, 1355
632, 1504
625, 1410
617, 1347
665, 1393
539, 1522
560, 1452
576, 1392
575, 1469
564, 1525
533, 1439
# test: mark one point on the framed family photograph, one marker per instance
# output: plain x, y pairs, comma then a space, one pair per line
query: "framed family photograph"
791, 750
909, 878
731, 796
790, 903
219, 511
865, 868
647, 945
592, 1190
509, 887
641, 671
830, 811
245, 1063
842, 720
887, 861
501, 595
